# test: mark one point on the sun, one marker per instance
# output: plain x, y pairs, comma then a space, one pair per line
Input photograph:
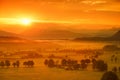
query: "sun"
25, 21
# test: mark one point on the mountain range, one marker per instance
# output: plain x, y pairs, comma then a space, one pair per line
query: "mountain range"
49, 31
114, 37
50, 34
64, 31
8, 37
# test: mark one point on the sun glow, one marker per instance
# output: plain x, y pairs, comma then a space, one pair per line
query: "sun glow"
20, 21
25, 21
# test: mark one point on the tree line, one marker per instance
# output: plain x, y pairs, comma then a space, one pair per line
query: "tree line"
69, 64
16, 64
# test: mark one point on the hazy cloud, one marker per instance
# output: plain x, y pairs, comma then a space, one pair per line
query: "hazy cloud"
61, 10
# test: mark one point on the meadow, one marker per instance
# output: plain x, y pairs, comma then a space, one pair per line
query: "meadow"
56, 50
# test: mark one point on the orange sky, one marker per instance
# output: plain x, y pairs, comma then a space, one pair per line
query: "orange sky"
68, 11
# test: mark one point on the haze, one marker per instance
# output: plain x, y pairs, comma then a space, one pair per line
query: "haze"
75, 12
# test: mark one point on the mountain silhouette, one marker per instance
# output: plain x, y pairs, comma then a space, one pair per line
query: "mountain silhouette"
5, 33
8, 37
51, 34
114, 37
49, 31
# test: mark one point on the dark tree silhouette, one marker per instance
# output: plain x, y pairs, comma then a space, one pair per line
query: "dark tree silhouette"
76, 66
25, 64
17, 63
119, 69
83, 64
87, 61
7, 63
46, 62
82, 61
109, 76
114, 69
14, 64
2, 64
94, 63
30, 63
94, 60
112, 58
100, 65
69, 62
51, 63
64, 62
116, 59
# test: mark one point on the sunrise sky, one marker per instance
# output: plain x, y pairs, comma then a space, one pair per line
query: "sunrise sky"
24, 13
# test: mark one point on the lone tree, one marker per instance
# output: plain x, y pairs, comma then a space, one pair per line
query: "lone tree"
2, 64
25, 64
51, 63
17, 63
119, 69
109, 76
100, 65
87, 61
114, 69
84, 64
14, 64
46, 62
7, 63
29, 63
64, 62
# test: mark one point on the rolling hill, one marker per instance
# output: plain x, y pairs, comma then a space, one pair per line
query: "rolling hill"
114, 37
49, 31
8, 37
65, 31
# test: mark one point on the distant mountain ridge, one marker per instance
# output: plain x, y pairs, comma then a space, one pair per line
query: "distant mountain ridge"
8, 37
5, 33
64, 31
49, 33
114, 37
52, 34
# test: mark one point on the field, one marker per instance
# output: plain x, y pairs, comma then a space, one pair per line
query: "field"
47, 74
46, 48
